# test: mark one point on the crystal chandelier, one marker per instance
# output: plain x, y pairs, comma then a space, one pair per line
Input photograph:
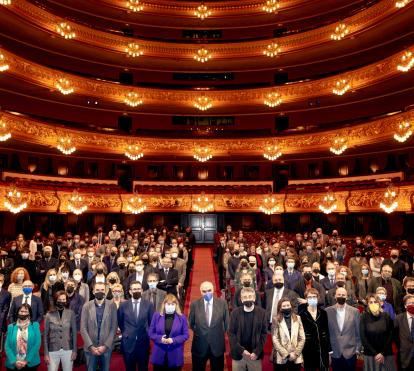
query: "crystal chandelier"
135, 205
202, 204
64, 30
202, 11
271, 6
407, 62
4, 132
202, 55
202, 154
133, 50
401, 3
404, 131
65, 146
273, 99
389, 202
272, 50
134, 5
340, 32
64, 86
338, 146
134, 153
14, 201
269, 205
132, 99
3, 63
76, 204
328, 204
272, 153
5, 2
341, 87
203, 103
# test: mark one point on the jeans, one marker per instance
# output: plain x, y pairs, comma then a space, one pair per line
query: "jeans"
104, 361
58, 356
248, 364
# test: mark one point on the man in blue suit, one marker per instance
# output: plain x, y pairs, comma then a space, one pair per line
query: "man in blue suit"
134, 319
291, 275
27, 298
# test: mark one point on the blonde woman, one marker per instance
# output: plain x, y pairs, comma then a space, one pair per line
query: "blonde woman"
81, 287
117, 294
18, 276
49, 288
111, 280
363, 281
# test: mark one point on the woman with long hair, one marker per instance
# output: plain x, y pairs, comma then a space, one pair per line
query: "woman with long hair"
50, 286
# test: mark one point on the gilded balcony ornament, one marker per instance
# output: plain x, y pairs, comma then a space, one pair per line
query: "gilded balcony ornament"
271, 6
202, 154
273, 99
407, 62
338, 146
132, 99
328, 204
65, 30
203, 204
134, 5
389, 202
270, 205
202, 55
203, 103
401, 3
4, 66
202, 11
133, 50
136, 205
341, 87
340, 32
65, 146
14, 201
76, 204
5, 133
134, 152
64, 86
5, 2
272, 50
404, 131
272, 153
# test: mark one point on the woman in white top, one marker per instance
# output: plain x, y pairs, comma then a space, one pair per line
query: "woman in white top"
375, 263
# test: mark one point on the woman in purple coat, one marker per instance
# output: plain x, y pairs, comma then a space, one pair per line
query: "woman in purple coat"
169, 332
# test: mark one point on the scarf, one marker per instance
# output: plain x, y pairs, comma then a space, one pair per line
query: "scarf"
22, 336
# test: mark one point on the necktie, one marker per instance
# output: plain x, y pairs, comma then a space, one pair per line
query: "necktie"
77, 264
208, 313
166, 273
26, 299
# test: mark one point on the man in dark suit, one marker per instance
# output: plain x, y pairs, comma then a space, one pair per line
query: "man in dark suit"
6, 266
46, 263
306, 282
134, 319
140, 275
329, 282
404, 334
291, 275
79, 263
168, 277
110, 261
5, 299
399, 270
154, 295
209, 320
27, 298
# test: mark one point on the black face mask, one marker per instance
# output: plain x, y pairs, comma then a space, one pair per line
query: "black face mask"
341, 300
286, 312
23, 317
99, 271
100, 295
60, 305
47, 255
340, 284
316, 271
252, 264
136, 295
122, 265
112, 281
132, 270
334, 248
244, 265
410, 291
307, 276
70, 289
113, 253
248, 303
236, 253
246, 284
278, 285
358, 254
394, 256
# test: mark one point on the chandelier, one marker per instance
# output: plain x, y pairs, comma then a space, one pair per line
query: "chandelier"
5, 2
134, 5
272, 153
271, 6
64, 30
64, 86
203, 103
202, 204
202, 154
273, 99
340, 32
133, 50
135, 205
14, 201
389, 201
76, 204
341, 87
134, 153
401, 3
328, 204
407, 62
65, 146
4, 132
404, 131
202, 55
272, 50
132, 99
202, 11
3, 63
338, 146
269, 205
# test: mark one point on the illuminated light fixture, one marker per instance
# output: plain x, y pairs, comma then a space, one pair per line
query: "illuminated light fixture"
64, 30
133, 50
202, 154
135, 205
65, 146
132, 99
134, 5
402, 3
389, 202
4, 132
340, 32
341, 87
407, 62
64, 86
271, 6
404, 131
273, 99
272, 153
328, 204
203, 103
5, 2
134, 153
3, 63
202, 11
338, 146
272, 50
202, 204
76, 204
202, 55
14, 201
269, 205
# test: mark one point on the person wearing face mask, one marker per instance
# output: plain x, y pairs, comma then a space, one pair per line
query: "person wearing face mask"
99, 323
331, 294
134, 319
139, 275
329, 282
234, 262
291, 274
153, 294
111, 260
219, 252
14, 252
269, 271
99, 276
118, 295
408, 284
22, 345
316, 272
60, 335
168, 277
406, 256
81, 287
50, 286
399, 270
121, 270
169, 332
29, 264
245, 281
385, 306
6, 265
75, 301
375, 263
27, 297
404, 334
376, 329
228, 235
355, 263
79, 263
5, 300
180, 266
306, 282
36, 243
114, 236
112, 279
362, 285
16, 281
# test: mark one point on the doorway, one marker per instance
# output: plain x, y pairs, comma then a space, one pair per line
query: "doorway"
204, 227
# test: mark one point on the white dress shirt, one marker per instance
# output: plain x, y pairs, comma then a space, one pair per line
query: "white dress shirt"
277, 294
340, 317
210, 313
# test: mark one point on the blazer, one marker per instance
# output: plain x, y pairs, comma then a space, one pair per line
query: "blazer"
326, 283
5, 299
36, 304
179, 335
181, 267
268, 300
60, 333
170, 283
33, 345
131, 278
291, 280
134, 329
376, 282
84, 267
76, 303
212, 336
405, 343
300, 289
331, 300
159, 298
285, 342
107, 261
346, 342
89, 326
237, 300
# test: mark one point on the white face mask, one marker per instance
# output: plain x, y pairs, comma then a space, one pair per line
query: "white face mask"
65, 275
139, 268
25, 255
331, 272
174, 256
77, 256
100, 279
52, 278
77, 277
91, 254
291, 265
169, 308
129, 258
272, 263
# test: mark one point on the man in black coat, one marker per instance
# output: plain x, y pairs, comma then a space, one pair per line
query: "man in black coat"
168, 277
78, 263
75, 300
34, 301
397, 265
46, 263
306, 282
404, 334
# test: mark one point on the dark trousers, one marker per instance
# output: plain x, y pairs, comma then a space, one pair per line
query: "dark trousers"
138, 358
288, 366
344, 364
165, 368
199, 363
221, 276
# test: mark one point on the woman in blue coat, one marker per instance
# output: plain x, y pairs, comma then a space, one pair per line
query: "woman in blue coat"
169, 332
23, 342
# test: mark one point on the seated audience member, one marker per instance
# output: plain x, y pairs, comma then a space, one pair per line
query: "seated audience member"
386, 307
27, 297
404, 334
